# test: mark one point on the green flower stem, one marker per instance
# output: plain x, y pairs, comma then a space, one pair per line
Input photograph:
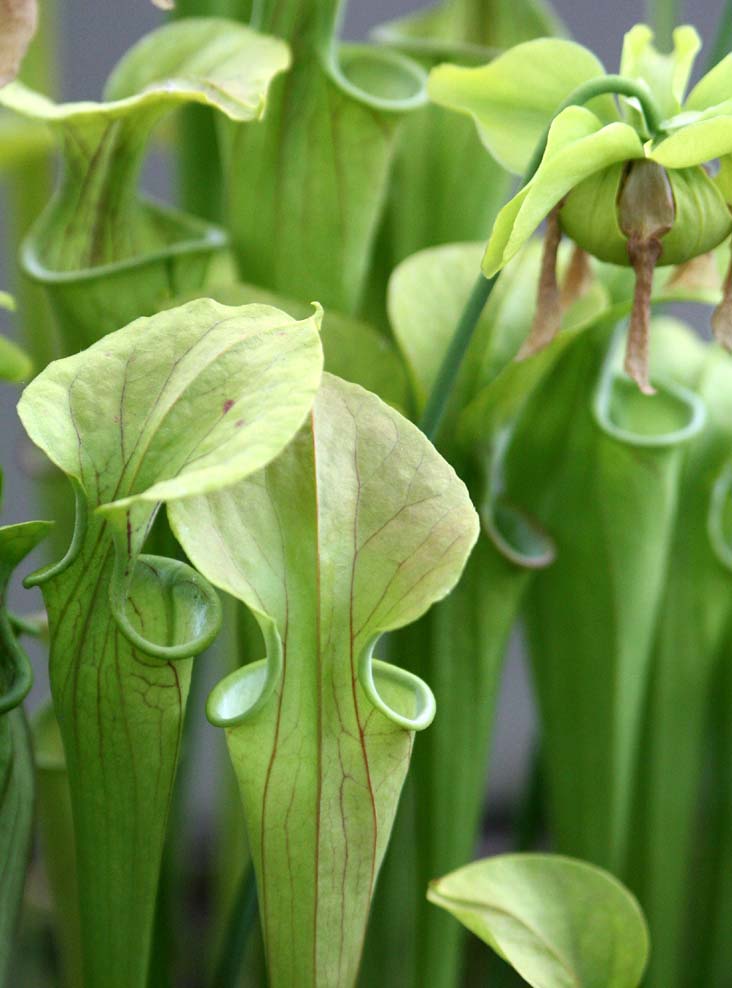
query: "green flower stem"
452, 362
242, 919
723, 37
437, 403
663, 16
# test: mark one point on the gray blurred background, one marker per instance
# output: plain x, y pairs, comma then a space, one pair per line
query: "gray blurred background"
93, 36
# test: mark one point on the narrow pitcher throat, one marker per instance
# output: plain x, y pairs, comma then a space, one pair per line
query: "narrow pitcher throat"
96, 217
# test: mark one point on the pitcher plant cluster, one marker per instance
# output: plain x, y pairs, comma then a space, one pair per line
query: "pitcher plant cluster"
338, 421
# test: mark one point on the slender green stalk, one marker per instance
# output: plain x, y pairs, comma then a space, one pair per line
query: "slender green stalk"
241, 922
663, 15
437, 404
722, 43
450, 368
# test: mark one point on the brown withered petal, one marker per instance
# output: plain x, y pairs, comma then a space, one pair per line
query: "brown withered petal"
577, 278
18, 20
722, 315
548, 314
698, 274
644, 255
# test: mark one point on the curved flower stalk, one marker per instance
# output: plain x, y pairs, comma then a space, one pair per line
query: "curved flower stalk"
555, 920
105, 255
629, 186
193, 399
306, 191
355, 530
16, 759
597, 469
690, 645
430, 202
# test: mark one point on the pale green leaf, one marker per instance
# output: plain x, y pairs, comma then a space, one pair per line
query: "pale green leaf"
667, 76
194, 399
186, 401
578, 146
560, 923
352, 349
356, 529
514, 98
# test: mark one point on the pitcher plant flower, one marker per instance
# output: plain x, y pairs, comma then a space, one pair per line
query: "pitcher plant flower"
625, 165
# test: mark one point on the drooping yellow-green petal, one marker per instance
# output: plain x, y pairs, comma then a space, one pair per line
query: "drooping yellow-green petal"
557, 921
713, 88
666, 75
514, 98
579, 145
698, 142
356, 529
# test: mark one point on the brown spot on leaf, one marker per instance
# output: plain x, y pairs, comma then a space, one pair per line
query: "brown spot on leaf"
228, 405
